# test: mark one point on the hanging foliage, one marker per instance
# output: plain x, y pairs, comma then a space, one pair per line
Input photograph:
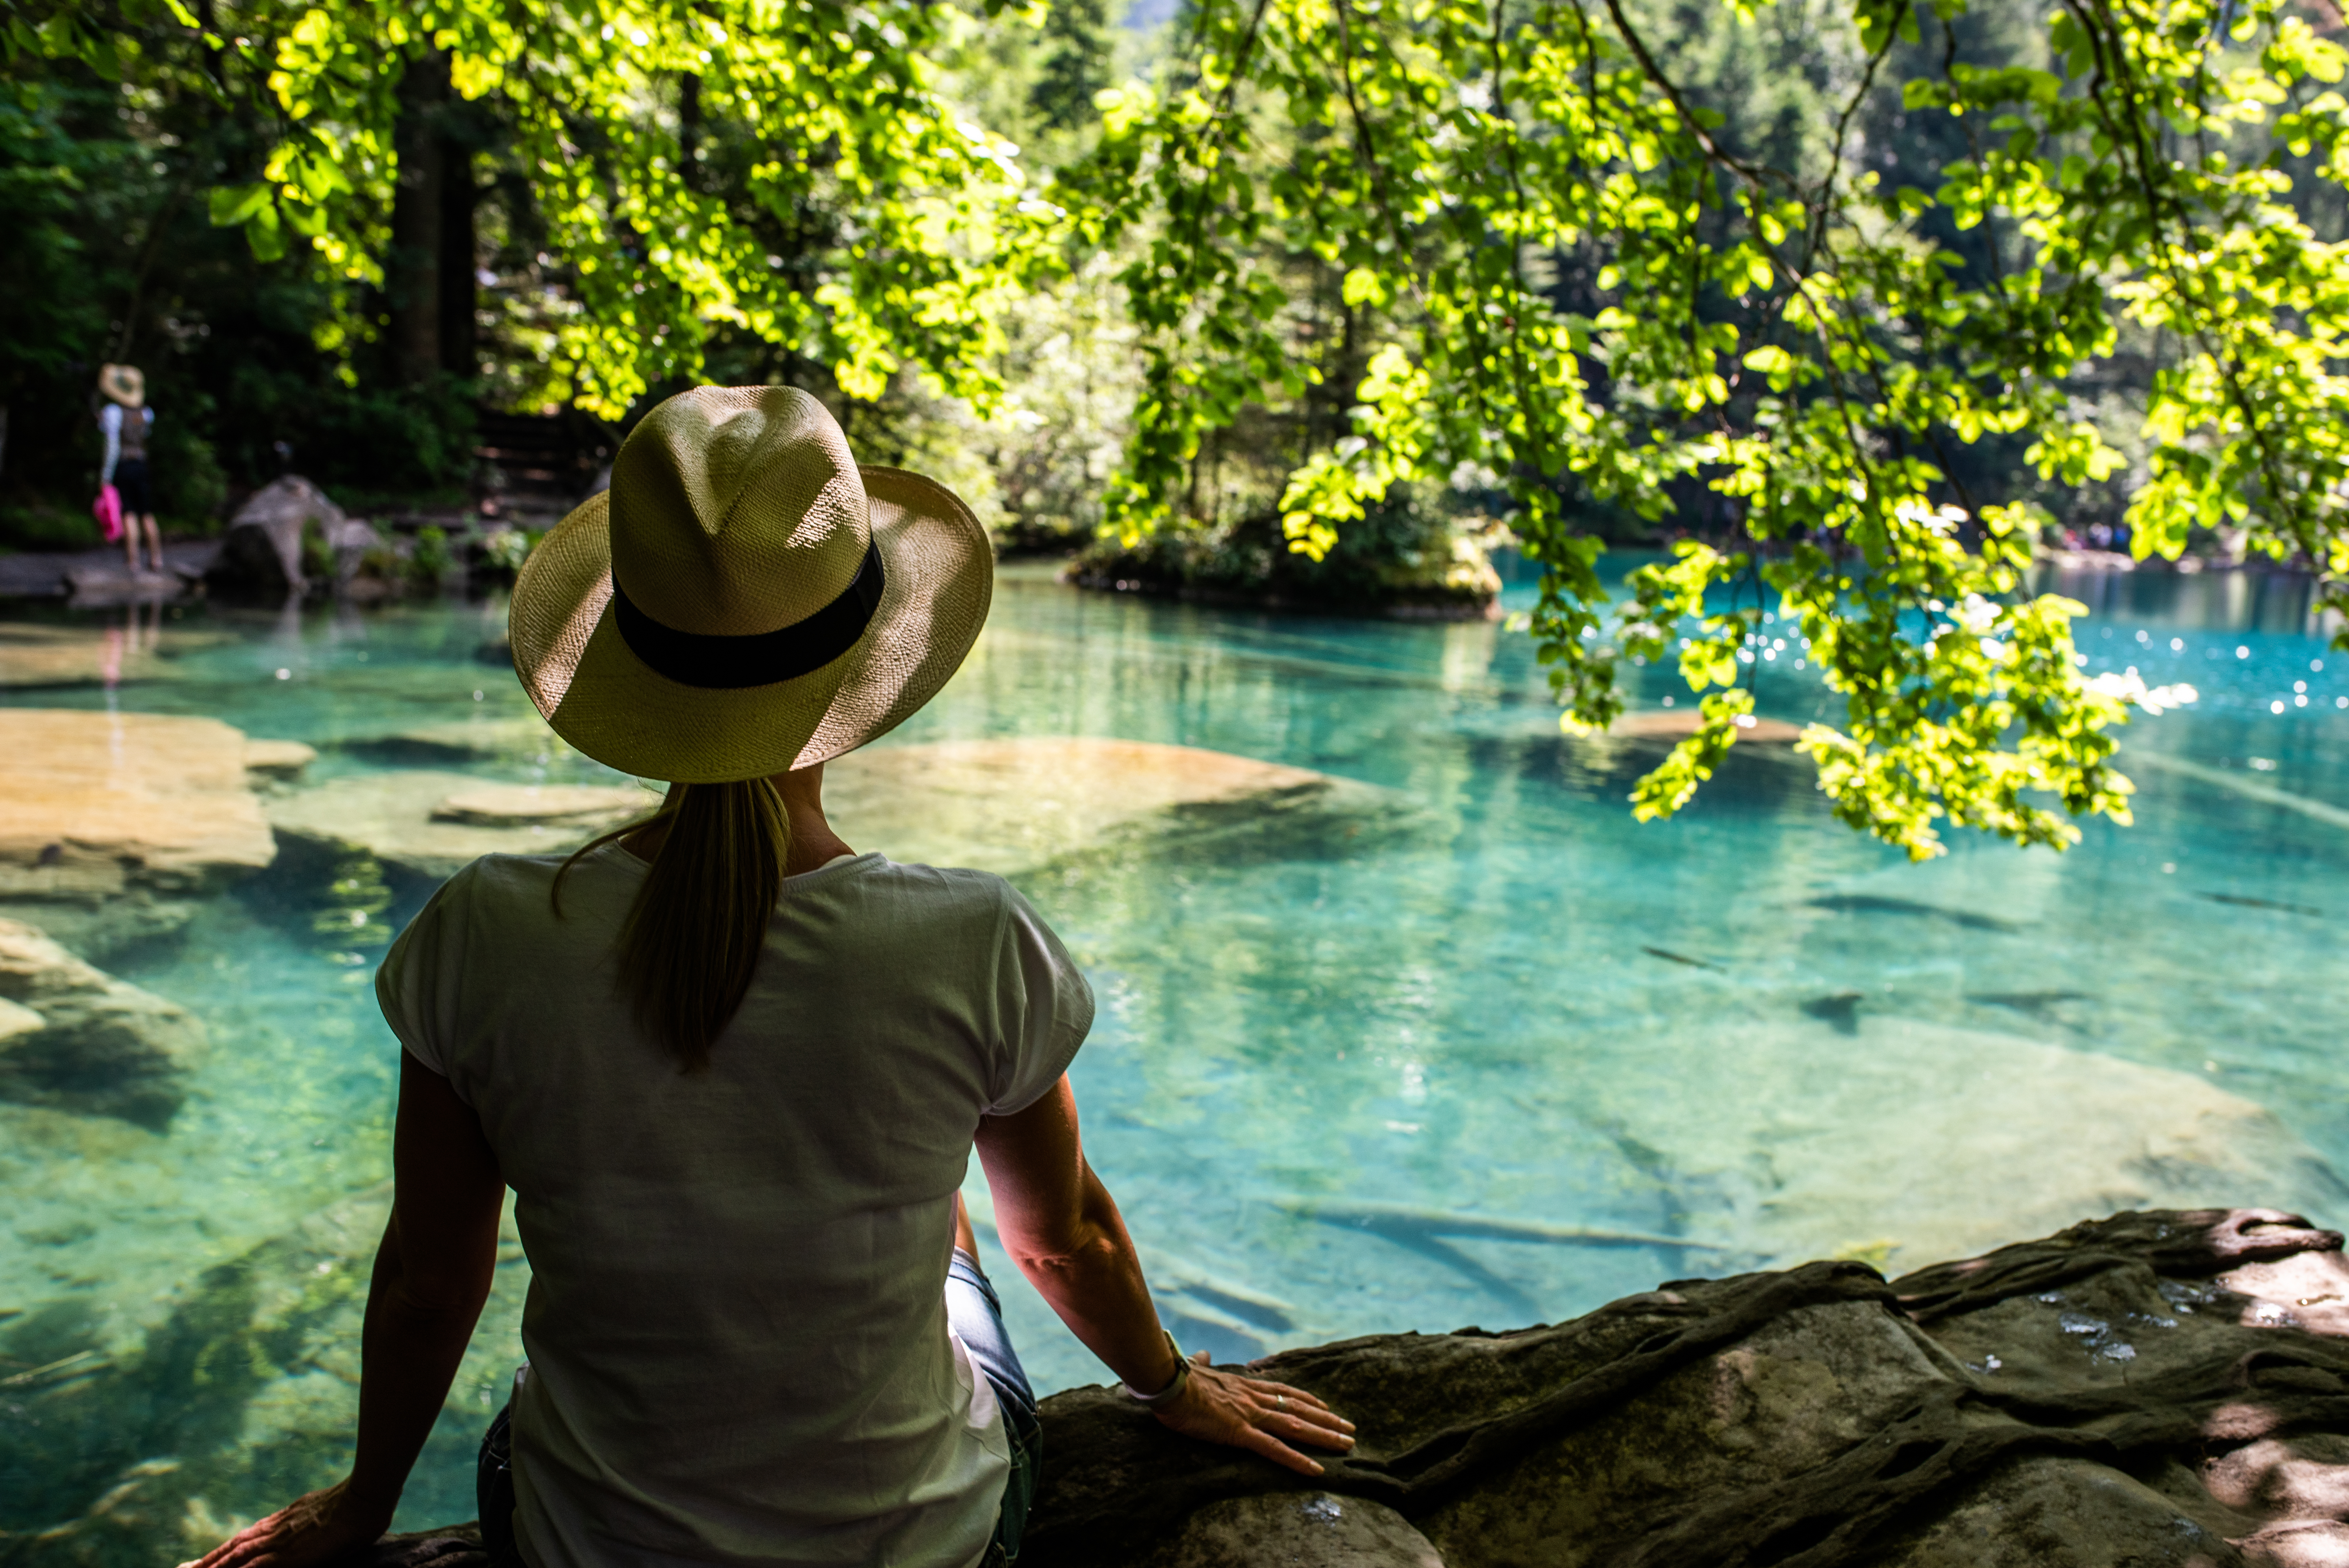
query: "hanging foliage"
1797, 340
1794, 345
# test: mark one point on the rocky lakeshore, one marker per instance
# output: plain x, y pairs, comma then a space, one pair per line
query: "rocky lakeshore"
2162, 1388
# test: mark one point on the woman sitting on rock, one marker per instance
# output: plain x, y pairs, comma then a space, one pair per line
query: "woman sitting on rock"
734, 1072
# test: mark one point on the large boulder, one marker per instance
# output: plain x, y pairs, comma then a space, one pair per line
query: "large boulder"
2164, 1387
2168, 1387
77, 1038
260, 555
116, 822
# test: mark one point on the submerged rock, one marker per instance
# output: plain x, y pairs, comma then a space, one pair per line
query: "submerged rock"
137, 1455
1013, 806
1679, 724
1972, 1415
1007, 806
280, 761
116, 819
77, 1038
1929, 1140
517, 739
428, 823
552, 805
33, 655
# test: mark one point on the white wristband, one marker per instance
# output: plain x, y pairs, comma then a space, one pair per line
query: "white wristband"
1174, 1385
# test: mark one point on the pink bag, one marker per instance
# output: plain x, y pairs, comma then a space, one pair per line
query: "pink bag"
107, 509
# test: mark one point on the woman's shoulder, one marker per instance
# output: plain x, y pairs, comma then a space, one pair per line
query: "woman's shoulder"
938, 887
504, 887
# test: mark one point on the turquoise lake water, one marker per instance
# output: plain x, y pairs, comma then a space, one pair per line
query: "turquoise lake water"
1505, 1000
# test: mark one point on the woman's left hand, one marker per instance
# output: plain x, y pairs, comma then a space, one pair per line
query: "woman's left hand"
1257, 1414
310, 1529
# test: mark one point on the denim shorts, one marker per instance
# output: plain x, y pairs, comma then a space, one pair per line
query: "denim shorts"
977, 1318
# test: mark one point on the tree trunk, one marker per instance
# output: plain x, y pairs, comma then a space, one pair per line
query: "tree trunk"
458, 353
411, 269
688, 131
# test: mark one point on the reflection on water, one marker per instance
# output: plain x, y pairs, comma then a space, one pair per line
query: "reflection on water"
1452, 1040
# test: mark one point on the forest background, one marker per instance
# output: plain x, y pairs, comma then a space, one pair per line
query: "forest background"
264, 363
1854, 301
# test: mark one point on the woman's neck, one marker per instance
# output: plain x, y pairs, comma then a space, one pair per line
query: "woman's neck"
813, 844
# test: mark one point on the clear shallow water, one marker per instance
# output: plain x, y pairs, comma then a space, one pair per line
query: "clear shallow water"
1463, 1009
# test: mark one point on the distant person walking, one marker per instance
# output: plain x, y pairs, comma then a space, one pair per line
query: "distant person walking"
126, 420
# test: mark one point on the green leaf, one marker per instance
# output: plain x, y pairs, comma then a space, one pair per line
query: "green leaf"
233, 204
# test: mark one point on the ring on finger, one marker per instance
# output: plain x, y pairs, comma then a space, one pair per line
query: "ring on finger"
1281, 1400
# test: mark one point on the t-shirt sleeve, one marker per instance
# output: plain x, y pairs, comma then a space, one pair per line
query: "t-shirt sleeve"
419, 982
1043, 1008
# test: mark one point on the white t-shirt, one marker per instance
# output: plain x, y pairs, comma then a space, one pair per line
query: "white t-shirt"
736, 1324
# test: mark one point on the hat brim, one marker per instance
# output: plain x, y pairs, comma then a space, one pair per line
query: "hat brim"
608, 703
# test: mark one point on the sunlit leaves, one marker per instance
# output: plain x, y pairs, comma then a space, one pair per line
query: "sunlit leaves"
842, 94
1792, 339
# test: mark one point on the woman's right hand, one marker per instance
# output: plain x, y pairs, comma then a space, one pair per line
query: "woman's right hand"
1256, 1414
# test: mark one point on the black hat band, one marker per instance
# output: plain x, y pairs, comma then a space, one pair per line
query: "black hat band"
763, 658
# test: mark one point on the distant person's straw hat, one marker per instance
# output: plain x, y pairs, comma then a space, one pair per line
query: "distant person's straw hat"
746, 598
123, 383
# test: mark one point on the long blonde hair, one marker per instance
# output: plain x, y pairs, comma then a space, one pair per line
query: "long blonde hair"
691, 940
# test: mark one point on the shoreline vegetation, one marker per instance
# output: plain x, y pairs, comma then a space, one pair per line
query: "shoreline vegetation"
1401, 565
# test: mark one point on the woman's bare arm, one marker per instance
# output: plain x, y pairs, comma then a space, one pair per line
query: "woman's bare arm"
432, 1273
1063, 1230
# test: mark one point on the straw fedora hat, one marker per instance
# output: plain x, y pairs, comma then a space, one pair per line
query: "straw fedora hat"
746, 598
122, 383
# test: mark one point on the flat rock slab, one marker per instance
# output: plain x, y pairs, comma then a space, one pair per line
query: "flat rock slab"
430, 823
516, 739
33, 656
524, 805
100, 804
1010, 806
1679, 724
77, 1038
282, 760
1005, 806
